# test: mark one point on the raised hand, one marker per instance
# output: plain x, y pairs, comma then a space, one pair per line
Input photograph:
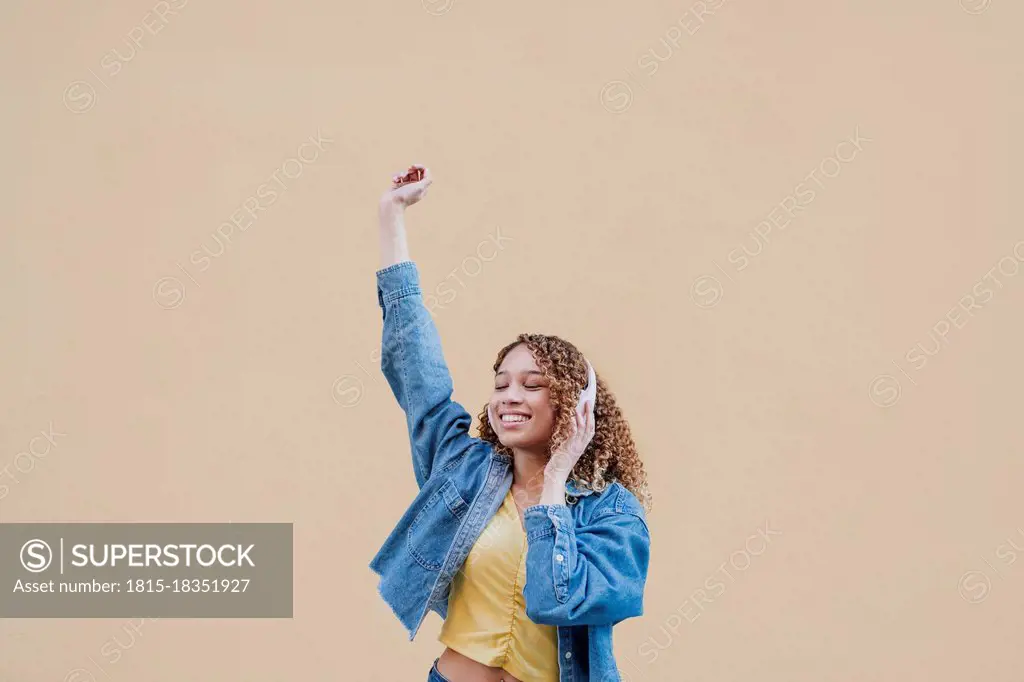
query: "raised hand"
409, 187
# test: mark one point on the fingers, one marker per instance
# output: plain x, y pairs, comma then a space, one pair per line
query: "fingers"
420, 175
404, 176
584, 425
415, 174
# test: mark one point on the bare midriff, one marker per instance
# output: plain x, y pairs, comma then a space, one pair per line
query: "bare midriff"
459, 668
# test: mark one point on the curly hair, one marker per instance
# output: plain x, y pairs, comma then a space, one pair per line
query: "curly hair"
611, 455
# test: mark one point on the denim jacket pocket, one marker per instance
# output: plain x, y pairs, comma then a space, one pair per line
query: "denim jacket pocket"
434, 527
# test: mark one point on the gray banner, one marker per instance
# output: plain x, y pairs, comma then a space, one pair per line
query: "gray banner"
145, 570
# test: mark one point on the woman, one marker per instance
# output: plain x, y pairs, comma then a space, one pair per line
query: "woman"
531, 540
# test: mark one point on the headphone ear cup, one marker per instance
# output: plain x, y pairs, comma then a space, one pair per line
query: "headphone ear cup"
591, 389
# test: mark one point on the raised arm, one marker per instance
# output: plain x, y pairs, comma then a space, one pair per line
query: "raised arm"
411, 356
393, 245
406, 190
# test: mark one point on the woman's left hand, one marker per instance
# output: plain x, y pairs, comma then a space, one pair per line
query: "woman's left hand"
564, 458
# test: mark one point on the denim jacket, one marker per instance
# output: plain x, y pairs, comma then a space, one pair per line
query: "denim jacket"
586, 562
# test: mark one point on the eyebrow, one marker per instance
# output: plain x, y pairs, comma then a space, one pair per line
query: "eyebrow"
529, 371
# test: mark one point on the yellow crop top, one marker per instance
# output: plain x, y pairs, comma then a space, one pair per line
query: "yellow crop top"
486, 611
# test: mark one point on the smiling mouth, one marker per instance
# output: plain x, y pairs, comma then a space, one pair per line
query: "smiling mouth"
514, 420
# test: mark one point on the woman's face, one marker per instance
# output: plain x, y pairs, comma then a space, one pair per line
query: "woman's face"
523, 416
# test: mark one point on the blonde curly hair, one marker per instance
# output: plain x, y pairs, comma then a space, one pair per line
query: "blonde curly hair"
611, 455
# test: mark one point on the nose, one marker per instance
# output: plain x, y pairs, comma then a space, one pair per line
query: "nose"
513, 395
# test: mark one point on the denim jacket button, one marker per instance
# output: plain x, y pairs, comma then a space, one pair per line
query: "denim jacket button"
559, 558
568, 654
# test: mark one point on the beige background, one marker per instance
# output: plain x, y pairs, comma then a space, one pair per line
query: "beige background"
785, 393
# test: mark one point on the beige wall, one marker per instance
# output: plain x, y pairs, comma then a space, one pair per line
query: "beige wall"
787, 392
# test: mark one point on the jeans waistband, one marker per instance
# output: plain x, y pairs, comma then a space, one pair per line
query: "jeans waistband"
435, 675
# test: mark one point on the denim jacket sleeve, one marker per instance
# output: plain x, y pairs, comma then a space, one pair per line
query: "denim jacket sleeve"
414, 366
592, 574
